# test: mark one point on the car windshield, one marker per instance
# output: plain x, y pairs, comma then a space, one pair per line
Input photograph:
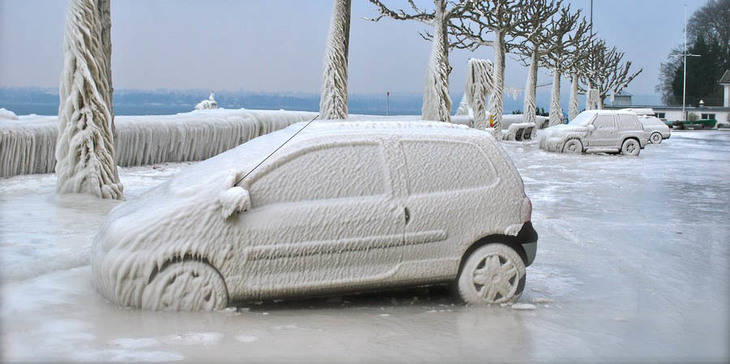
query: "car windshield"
582, 119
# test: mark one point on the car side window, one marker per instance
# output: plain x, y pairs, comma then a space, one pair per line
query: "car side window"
604, 122
628, 122
330, 172
435, 166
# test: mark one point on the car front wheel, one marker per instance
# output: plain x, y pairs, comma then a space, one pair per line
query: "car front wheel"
630, 147
493, 273
573, 146
656, 138
186, 286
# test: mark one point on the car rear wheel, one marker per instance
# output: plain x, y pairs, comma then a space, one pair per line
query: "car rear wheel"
630, 147
656, 138
573, 146
186, 286
493, 273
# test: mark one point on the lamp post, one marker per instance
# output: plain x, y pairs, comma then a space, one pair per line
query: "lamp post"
387, 103
684, 56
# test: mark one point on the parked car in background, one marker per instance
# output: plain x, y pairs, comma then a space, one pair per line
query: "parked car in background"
656, 128
594, 131
341, 207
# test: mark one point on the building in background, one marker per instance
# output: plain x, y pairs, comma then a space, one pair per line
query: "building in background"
674, 113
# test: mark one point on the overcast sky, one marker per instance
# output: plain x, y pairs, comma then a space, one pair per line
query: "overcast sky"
277, 45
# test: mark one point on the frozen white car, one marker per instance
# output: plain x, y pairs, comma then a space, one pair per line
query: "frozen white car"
597, 131
343, 206
656, 128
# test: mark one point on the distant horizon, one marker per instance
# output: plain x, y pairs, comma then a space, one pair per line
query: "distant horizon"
135, 101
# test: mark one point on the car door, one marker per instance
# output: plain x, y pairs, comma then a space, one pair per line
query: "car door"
604, 135
447, 182
321, 219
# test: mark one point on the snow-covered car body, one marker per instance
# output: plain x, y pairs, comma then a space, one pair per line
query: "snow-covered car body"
343, 206
604, 131
656, 128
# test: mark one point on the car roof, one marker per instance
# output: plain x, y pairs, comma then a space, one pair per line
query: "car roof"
245, 157
343, 130
609, 112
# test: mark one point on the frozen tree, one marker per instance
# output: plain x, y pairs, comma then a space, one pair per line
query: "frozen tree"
85, 148
607, 71
592, 99
333, 102
566, 34
104, 8
478, 85
533, 48
436, 99
503, 19
576, 65
573, 100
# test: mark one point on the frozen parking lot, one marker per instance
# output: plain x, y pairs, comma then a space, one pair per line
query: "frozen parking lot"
633, 262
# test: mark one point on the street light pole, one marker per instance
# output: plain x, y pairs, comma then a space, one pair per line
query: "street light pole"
684, 56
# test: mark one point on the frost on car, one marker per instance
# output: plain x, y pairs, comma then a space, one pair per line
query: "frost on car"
342, 207
597, 131
656, 128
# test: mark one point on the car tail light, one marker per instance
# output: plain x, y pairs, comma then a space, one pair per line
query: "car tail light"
526, 211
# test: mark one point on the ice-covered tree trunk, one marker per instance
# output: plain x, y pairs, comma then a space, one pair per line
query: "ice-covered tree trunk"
601, 102
556, 111
85, 148
529, 105
333, 102
573, 102
496, 102
436, 99
104, 8
478, 85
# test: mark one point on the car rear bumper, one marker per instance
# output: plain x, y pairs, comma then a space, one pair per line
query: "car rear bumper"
527, 237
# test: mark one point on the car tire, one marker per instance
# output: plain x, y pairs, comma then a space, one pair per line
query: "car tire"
573, 146
630, 147
186, 286
656, 138
493, 273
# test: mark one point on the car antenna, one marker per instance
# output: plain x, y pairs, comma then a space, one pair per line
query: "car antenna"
275, 150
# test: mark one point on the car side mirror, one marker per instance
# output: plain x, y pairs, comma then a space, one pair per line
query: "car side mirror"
233, 200
591, 127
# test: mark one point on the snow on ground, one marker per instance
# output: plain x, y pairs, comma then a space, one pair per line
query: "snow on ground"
632, 264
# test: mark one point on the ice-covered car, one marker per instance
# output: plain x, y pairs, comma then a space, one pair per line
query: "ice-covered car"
343, 206
598, 131
656, 128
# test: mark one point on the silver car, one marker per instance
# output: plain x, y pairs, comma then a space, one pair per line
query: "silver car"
341, 207
597, 131
656, 128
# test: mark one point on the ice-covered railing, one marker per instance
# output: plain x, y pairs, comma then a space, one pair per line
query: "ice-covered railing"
27, 145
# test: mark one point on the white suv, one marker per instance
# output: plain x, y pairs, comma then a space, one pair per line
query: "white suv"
597, 131
343, 206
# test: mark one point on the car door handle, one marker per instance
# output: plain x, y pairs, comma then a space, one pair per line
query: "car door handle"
407, 214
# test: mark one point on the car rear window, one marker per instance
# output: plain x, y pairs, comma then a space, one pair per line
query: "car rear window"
435, 166
337, 171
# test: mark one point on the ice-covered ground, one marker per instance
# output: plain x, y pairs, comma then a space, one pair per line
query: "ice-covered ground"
633, 262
